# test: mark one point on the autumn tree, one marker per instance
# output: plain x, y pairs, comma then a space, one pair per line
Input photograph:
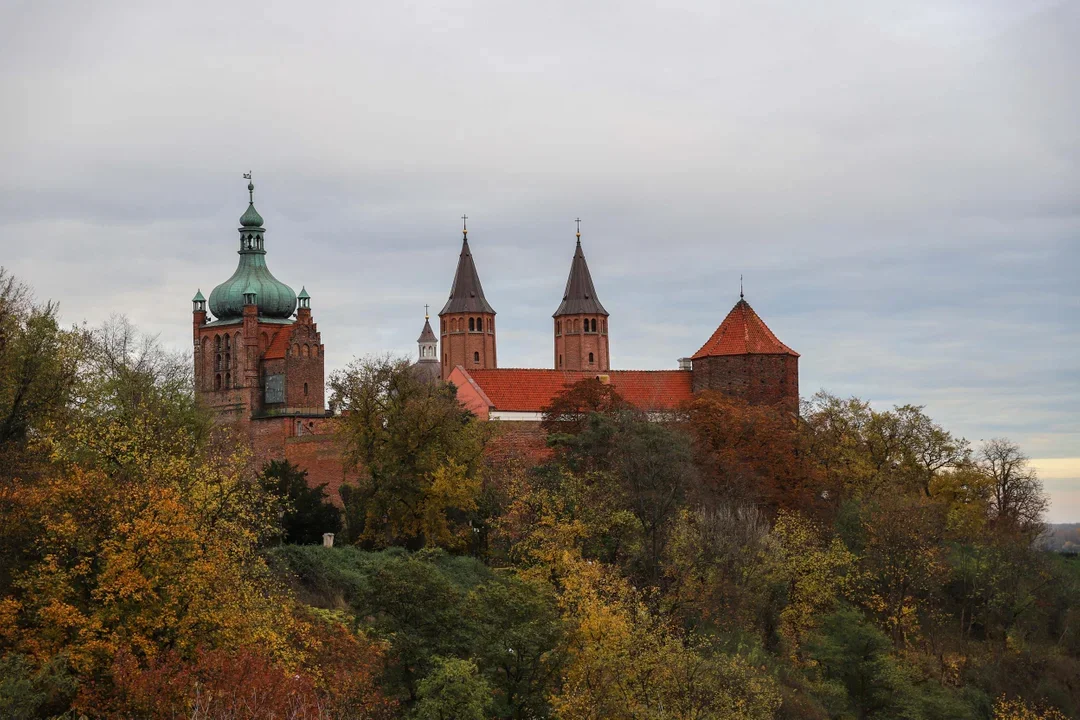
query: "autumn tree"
1017, 502
418, 452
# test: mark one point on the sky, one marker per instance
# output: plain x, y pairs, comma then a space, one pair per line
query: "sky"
897, 182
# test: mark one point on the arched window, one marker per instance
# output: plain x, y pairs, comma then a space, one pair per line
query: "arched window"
307, 350
472, 324
590, 358
558, 327
217, 343
217, 361
594, 324
238, 341
296, 349
228, 381
305, 389
217, 381
228, 360
560, 361
476, 357
444, 360
577, 326
226, 342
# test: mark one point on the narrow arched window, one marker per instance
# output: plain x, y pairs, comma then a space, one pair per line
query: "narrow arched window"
305, 389
476, 357
226, 342
217, 381
590, 358
217, 361
228, 381
228, 360
444, 360
594, 324
296, 349
472, 324
558, 327
560, 361
217, 343
307, 350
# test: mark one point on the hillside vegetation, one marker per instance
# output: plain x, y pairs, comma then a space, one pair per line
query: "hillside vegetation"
727, 561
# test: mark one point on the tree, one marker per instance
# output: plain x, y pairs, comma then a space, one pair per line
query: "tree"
1017, 502
568, 411
305, 512
454, 690
418, 450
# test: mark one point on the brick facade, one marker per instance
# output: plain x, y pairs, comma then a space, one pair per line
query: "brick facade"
578, 346
765, 379
468, 340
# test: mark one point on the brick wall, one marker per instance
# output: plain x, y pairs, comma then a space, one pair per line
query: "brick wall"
573, 344
755, 378
461, 346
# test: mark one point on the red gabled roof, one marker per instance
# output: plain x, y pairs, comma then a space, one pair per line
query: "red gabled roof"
743, 333
279, 346
531, 390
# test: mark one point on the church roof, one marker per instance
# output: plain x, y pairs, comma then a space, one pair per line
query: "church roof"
743, 333
531, 390
466, 294
580, 295
428, 335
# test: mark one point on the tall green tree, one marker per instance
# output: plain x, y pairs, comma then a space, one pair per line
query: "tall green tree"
419, 453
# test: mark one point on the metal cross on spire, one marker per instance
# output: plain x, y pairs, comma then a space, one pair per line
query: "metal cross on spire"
464, 225
578, 221
426, 315
251, 187
740, 286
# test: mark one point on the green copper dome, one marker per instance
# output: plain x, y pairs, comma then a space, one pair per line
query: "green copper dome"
251, 217
274, 298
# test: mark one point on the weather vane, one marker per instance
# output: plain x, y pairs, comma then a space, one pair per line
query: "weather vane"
740, 286
251, 187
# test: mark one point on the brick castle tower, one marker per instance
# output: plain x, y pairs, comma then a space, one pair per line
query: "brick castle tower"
743, 358
467, 321
581, 322
253, 359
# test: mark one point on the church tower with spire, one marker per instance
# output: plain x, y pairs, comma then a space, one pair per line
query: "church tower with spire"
467, 321
581, 322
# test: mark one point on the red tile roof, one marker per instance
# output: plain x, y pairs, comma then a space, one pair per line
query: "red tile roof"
743, 333
530, 390
279, 346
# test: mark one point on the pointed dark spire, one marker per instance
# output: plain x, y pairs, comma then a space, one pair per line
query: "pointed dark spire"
427, 335
466, 294
579, 298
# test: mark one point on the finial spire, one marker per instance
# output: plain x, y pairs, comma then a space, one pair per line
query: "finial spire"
740, 286
251, 187
427, 316
464, 226
578, 221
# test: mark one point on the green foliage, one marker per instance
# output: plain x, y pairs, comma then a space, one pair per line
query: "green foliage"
453, 690
305, 512
418, 451
28, 692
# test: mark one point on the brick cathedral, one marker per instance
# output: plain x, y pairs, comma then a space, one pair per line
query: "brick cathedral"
259, 358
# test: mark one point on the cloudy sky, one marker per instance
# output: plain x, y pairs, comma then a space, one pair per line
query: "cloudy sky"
899, 182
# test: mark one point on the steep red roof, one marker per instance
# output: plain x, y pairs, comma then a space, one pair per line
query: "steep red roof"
743, 333
530, 390
279, 346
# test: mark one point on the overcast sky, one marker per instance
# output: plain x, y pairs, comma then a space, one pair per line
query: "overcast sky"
899, 182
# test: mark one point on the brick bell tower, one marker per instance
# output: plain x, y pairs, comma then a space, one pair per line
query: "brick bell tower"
581, 322
254, 359
467, 321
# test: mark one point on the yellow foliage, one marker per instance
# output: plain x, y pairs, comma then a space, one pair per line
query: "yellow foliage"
1005, 709
817, 573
